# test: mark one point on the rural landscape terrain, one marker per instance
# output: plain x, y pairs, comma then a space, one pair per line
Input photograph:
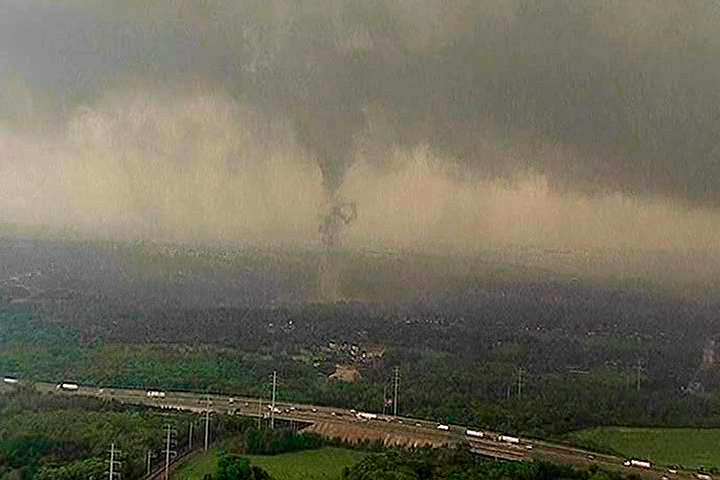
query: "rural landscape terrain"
501, 346
359, 240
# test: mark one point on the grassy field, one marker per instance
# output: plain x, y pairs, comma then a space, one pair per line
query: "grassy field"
322, 464
690, 447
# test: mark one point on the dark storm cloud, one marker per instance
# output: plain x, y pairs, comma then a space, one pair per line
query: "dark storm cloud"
632, 89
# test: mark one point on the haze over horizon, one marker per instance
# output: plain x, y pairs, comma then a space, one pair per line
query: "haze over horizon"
560, 124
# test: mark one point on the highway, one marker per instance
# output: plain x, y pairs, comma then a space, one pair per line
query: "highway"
391, 430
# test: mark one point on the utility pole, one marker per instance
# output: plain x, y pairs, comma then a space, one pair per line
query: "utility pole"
272, 407
384, 404
260, 402
112, 474
521, 370
148, 462
190, 435
396, 385
207, 422
169, 432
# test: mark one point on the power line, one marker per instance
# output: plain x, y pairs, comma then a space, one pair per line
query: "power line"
272, 407
112, 474
169, 432
190, 434
148, 461
396, 385
207, 421
520, 372
259, 402
384, 404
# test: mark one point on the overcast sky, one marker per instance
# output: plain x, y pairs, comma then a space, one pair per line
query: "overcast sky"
559, 122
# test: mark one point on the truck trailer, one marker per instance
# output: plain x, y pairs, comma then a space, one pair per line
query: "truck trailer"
637, 463
71, 387
508, 439
366, 416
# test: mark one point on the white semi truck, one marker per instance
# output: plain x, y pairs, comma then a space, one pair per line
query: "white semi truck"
70, 387
366, 416
637, 463
508, 439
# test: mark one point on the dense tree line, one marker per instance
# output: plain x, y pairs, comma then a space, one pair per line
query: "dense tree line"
256, 441
460, 464
458, 364
45, 436
235, 467
459, 347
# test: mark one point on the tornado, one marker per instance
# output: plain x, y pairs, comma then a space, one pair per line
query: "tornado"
335, 217
326, 127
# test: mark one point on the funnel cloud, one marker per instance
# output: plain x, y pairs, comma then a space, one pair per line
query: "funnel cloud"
463, 123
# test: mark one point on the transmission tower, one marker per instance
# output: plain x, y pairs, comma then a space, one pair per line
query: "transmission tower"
207, 421
272, 407
170, 433
384, 403
148, 461
396, 384
190, 434
112, 463
260, 402
520, 373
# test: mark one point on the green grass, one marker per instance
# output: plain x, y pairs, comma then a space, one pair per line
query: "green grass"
321, 464
198, 466
325, 463
690, 447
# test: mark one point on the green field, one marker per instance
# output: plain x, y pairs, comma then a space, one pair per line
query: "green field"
322, 464
689, 447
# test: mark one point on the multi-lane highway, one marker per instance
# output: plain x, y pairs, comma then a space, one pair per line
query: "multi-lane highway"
389, 429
